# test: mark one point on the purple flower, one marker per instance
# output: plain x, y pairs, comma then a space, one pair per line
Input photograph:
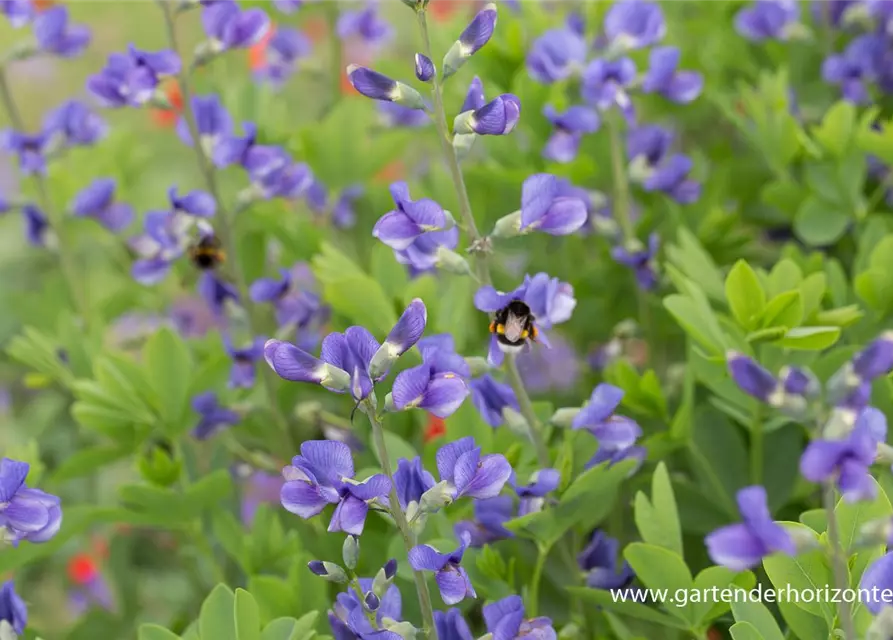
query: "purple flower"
257, 489
212, 120
288, 6
283, 50
322, 475
877, 578
476, 35
853, 69
491, 397
19, 13
97, 201
875, 360
366, 25
411, 219
450, 576
490, 516
93, 592
652, 164
544, 207
553, 369
533, 494
212, 416
767, 20
424, 68
216, 292
55, 35
30, 148
403, 337
634, 24
132, 78
274, 175
743, 545
411, 481
568, 130
750, 377
848, 460
229, 27
663, 77
557, 54
474, 97
242, 373
597, 416
468, 473
789, 391
12, 608
439, 393
440, 351
450, 625
25, 514
293, 303
605, 82
599, 560
195, 203
230, 149
505, 620
348, 617
380, 87
396, 115
425, 253
37, 227
77, 124
642, 260
496, 118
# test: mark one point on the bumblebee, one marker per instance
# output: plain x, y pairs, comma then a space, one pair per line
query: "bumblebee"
514, 325
207, 253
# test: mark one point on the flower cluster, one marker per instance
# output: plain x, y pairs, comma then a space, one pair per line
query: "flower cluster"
616, 434
25, 513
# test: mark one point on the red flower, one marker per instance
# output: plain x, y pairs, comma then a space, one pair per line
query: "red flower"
81, 568
392, 171
257, 54
169, 117
436, 428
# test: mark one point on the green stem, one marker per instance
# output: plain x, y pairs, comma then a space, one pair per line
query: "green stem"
336, 64
76, 285
838, 562
534, 591
756, 446
224, 225
400, 519
526, 406
621, 184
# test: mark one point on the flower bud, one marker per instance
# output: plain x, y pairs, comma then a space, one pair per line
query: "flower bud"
437, 497
328, 571
476, 35
515, 421
6, 631
496, 118
424, 68
160, 464
402, 338
876, 532
308, 411
804, 539
508, 226
380, 87
450, 261
564, 417
371, 601
882, 626
478, 366
389, 403
462, 143
350, 552
384, 577
404, 629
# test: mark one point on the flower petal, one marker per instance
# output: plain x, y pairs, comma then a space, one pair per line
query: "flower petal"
302, 498
735, 547
426, 558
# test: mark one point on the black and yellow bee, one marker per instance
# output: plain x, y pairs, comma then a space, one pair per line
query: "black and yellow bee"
207, 253
514, 325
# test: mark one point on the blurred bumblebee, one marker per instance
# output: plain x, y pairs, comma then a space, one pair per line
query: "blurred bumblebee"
514, 325
207, 253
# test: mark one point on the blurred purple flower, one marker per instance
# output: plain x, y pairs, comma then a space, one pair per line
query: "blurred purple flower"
132, 78
652, 164
642, 260
468, 473
557, 54
505, 620
398, 229
634, 24
212, 416
192, 318
216, 292
767, 19
76, 123
25, 514
30, 148
604, 84
533, 494
743, 545
423, 255
396, 115
283, 50
229, 27
450, 625
212, 120
546, 207
12, 608
663, 77
55, 35
37, 227
568, 130
242, 373
97, 201
554, 369
490, 516
288, 6
19, 13
600, 562
491, 397
451, 578
877, 580
257, 489
319, 476
295, 304
94, 591
366, 25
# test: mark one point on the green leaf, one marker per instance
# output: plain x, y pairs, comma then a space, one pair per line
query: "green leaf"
851, 517
247, 616
711, 608
690, 257
352, 292
693, 321
815, 519
660, 568
657, 519
818, 223
745, 631
806, 571
759, 617
803, 623
605, 598
154, 632
745, 295
809, 338
216, 619
784, 310
169, 366
209, 491
275, 596
87, 461
291, 629
387, 271
838, 126
875, 288
229, 533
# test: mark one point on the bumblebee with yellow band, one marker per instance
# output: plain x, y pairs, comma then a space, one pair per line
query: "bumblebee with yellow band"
514, 325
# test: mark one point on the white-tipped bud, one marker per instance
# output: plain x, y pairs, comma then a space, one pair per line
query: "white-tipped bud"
564, 417
403, 629
437, 497
449, 260
463, 142
508, 226
350, 552
515, 422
